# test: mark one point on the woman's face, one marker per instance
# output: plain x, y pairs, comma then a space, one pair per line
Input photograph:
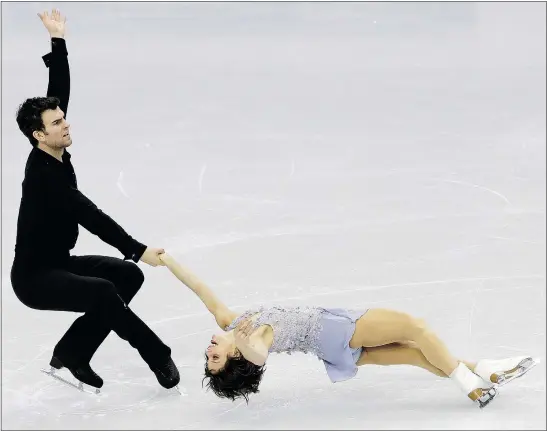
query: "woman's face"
221, 348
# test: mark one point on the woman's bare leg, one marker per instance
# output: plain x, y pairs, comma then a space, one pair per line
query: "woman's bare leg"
379, 327
402, 354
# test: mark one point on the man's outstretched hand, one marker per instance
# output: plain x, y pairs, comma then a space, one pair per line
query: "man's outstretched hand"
151, 256
54, 23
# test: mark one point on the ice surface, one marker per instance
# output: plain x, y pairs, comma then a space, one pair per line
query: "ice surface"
369, 155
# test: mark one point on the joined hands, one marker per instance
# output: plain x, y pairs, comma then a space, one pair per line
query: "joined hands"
151, 256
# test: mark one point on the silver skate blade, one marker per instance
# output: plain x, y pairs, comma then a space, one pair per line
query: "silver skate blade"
180, 391
520, 370
80, 386
488, 397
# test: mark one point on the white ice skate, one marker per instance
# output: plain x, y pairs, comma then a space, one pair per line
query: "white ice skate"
79, 385
473, 386
483, 396
502, 371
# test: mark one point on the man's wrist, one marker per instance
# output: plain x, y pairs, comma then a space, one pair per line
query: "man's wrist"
138, 252
57, 35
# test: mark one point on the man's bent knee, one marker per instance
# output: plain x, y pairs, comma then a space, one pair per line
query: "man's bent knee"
105, 293
133, 274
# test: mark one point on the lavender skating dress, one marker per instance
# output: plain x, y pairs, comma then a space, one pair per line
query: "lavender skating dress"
324, 332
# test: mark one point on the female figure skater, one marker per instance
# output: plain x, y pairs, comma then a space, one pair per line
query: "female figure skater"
343, 339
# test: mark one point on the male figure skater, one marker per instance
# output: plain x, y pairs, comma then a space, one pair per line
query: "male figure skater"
44, 275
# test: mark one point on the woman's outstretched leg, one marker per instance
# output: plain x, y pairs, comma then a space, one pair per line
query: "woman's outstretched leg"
402, 354
379, 327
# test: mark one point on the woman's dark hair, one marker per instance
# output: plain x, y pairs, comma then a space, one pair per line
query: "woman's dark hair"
238, 378
29, 115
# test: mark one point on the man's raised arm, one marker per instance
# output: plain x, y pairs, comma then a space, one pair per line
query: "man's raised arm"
57, 59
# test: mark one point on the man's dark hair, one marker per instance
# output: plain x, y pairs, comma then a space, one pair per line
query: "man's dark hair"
238, 378
29, 115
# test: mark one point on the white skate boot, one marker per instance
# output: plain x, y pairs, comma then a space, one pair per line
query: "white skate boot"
502, 371
473, 386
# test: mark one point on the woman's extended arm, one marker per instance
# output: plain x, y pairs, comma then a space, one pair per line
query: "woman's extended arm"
223, 315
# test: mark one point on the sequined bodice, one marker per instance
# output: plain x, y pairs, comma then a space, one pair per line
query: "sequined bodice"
295, 329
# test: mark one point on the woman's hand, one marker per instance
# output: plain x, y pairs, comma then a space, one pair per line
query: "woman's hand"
167, 259
254, 351
243, 331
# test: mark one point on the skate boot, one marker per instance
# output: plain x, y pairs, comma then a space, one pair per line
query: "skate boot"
83, 372
167, 374
473, 386
502, 371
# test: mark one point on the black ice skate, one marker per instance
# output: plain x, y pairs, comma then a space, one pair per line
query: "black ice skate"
167, 374
84, 373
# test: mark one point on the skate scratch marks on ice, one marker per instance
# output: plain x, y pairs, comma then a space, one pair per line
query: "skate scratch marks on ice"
479, 187
473, 307
512, 348
119, 184
32, 361
203, 168
518, 240
363, 288
193, 425
190, 334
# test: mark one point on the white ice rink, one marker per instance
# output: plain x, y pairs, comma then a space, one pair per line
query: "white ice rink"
352, 155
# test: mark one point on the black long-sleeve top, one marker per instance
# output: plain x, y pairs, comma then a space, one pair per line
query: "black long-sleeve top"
51, 206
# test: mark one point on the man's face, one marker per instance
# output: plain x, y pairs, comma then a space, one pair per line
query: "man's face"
56, 130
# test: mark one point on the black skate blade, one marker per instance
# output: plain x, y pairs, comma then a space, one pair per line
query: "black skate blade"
80, 386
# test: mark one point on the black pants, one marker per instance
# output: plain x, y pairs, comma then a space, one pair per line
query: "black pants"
98, 286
